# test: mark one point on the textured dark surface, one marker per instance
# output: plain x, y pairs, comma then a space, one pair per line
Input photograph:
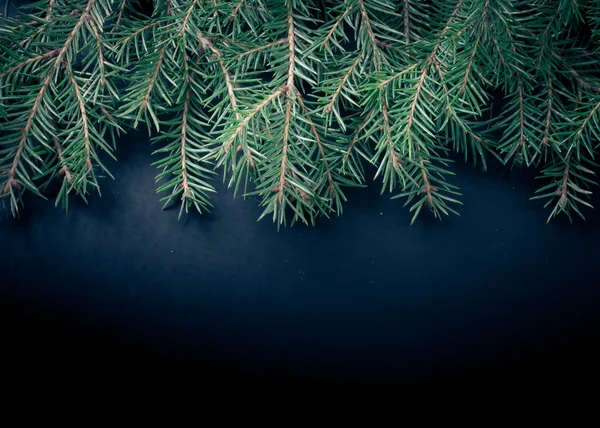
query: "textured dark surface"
120, 283
364, 294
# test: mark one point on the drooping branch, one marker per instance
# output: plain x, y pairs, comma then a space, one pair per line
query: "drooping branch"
244, 123
207, 44
451, 111
343, 82
183, 140
48, 54
586, 121
463, 86
366, 21
58, 57
83, 113
315, 133
289, 87
99, 47
284, 150
139, 31
337, 23
187, 17
161, 57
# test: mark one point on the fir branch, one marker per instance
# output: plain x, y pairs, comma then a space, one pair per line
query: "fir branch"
47, 17
57, 83
478, 143
11, 182
83, 114
585, 126
467, 74
342, 84
384, 83
295, 105
99, 48
28, 61
184, 124
544, 40
569, 186
313, 128
338, 22
289, 88
186, 162
396, 161
207, 44
247, 118
140, 30
186, 18
366, 21
145, 102
284, 152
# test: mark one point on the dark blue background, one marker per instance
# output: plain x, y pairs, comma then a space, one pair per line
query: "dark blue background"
364, 296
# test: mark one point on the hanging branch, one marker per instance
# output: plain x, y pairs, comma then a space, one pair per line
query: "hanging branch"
290, 106
35, 105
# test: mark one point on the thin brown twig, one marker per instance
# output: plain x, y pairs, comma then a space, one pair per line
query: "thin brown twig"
63, 169
100, 53
288, 108
183, 141
121, 12
367, 21
187, 17
406, 22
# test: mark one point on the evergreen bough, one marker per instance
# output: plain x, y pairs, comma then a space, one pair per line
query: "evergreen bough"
292, 97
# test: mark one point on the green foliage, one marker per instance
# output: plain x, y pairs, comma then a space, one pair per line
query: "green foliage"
291, 97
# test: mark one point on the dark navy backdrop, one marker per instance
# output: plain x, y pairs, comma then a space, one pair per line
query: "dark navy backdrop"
362, 296
362, 293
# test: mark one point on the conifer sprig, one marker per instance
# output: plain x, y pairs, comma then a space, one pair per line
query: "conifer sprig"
57, 90
291, 98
